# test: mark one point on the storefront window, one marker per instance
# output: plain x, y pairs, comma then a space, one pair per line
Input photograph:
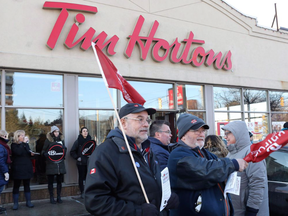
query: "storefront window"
190, 97
278, 101
98, 122
278, 120
257, 124
223, 118
226, 99
34, 90
0, 86
36, 123
255, 100
157, 95
93, 93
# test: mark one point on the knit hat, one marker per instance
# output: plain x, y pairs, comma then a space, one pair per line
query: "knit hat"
134, 108
187, 121
53, 128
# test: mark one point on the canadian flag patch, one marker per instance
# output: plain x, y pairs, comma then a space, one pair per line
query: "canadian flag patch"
92, 171
193, 121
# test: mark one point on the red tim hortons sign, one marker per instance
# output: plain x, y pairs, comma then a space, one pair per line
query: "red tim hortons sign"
56, 153
88, 148
161, 49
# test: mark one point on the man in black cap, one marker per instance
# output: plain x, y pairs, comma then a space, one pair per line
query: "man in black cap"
197, 175
112, 187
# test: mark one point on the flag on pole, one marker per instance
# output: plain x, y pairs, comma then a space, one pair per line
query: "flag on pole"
115, 80
263, 149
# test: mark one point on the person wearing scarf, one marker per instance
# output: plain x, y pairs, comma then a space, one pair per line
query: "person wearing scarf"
81, 160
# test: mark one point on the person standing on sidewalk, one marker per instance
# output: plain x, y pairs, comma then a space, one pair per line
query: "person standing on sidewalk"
5, 160
55, 140
22, 168
77, 153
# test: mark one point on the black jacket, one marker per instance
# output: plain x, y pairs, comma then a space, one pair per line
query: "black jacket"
76, 150
53, 168
112, 187
198, 173
22, 167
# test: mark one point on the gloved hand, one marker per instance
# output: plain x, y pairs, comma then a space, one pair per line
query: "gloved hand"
173, 201
6, 176
149, 209
79, 159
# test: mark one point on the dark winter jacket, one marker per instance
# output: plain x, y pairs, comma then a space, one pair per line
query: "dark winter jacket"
112, 187
198, 173
53, 168
22, 167
3, 162
160, 150
76, 150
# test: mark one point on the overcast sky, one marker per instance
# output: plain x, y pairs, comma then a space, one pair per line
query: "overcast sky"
263, 10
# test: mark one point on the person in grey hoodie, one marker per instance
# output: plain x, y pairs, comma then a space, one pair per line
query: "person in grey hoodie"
253, 197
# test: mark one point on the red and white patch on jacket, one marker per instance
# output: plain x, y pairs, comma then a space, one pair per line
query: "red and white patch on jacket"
92, 171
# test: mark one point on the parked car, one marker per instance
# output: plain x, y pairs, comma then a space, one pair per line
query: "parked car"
277, 172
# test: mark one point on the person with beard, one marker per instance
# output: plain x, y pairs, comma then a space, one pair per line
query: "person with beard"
5, 160
55, 137
253, 198
112, 187
76, 153
22, 168
196, 175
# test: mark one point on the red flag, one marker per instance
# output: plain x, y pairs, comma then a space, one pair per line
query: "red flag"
263, 149
115, 80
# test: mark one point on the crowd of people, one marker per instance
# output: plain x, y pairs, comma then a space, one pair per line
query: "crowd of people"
124, 175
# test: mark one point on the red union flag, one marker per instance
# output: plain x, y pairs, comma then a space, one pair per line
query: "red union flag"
263, 149
115, 80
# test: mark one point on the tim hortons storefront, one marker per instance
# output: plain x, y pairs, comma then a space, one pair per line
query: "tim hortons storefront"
197, 56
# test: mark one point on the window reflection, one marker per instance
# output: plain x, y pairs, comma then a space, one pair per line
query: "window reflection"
93, 93
278, 101
223, 118
257, 124
42, 89
36, 123
255, 100
277, 167
227, 99
278, 120
190, 97
98, 122
157, 95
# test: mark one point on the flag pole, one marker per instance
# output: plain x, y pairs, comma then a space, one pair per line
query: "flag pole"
121, 126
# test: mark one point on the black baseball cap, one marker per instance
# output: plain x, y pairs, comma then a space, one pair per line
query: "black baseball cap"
134, 108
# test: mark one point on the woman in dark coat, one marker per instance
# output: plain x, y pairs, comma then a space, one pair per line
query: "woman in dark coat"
5, 160
53, 167
77, 153
22, 169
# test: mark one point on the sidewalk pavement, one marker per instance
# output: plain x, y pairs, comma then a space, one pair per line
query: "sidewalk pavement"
71, 206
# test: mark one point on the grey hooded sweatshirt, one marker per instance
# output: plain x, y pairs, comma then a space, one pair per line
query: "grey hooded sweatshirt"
254, 185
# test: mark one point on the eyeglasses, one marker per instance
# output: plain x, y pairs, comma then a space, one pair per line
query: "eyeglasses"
197, 132
227, 132
141, 120
168, 131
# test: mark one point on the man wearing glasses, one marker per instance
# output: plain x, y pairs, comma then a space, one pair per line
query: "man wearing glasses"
112, 187
197, 175
160, 136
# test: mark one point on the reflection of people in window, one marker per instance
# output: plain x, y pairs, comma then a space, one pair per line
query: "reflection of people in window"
40, 160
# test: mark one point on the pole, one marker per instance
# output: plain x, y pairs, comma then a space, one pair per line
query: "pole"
121, 126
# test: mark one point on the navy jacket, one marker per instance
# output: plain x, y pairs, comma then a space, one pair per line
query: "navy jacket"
194, 173
3, 165
112, 187
161, 151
